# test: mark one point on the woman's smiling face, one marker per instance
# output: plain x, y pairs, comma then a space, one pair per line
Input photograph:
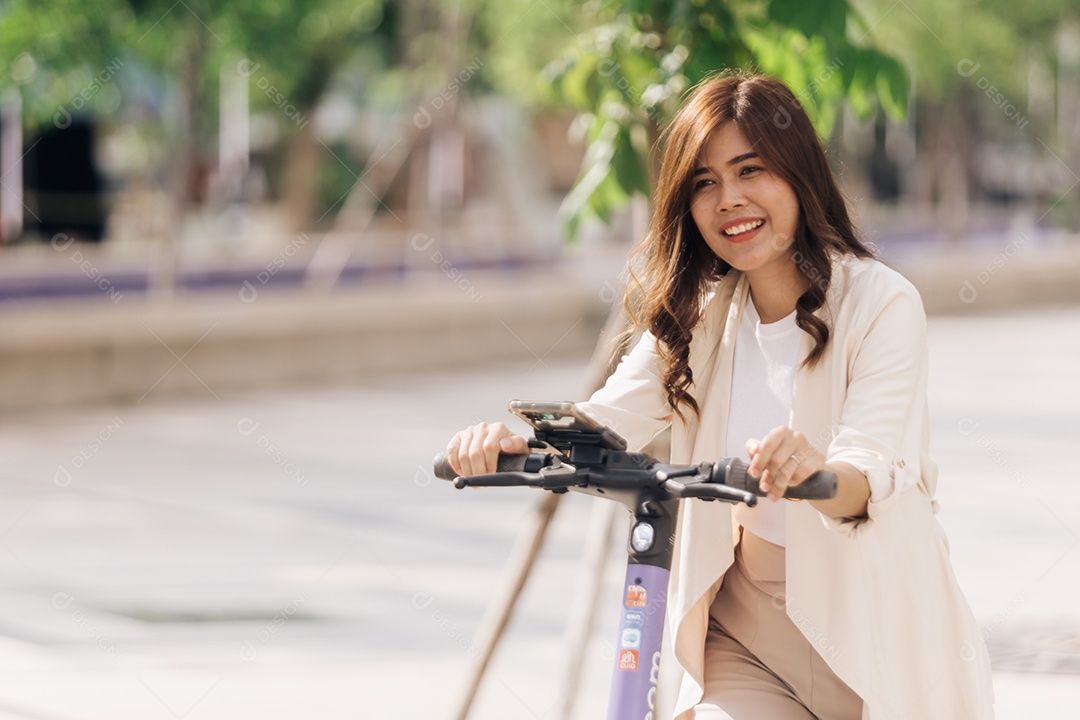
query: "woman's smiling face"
747, 214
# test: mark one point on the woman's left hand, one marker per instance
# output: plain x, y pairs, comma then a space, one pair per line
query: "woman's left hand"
784, 458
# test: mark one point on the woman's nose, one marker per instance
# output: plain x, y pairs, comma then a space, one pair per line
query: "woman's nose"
730, 198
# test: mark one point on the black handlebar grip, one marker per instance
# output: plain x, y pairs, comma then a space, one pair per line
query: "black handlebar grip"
506, 463
822, 485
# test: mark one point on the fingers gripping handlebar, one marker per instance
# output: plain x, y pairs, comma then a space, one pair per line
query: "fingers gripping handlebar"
822, 485
507, 463
511, 470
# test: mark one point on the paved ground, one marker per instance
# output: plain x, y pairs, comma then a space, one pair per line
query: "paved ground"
286, 554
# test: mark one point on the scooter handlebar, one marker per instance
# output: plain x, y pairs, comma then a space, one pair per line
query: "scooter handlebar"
730, 472
822, 485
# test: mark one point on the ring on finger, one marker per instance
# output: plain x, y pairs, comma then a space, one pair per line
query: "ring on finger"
796, 458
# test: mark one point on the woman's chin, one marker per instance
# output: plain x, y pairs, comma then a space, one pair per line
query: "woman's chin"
745, 262
751, 259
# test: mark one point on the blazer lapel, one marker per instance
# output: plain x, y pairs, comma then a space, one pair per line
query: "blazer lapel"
700, 559
711, 354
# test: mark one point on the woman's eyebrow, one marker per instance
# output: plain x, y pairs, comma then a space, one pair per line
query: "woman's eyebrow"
733, 161
739, 158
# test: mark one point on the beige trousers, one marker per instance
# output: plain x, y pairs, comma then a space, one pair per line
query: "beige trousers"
758, 664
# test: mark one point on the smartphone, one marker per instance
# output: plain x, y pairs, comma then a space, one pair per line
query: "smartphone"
564, 418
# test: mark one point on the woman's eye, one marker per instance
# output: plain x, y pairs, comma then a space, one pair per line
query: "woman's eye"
749, 170
702, 183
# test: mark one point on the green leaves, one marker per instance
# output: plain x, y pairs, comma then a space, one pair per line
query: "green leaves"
64, 49
811, 17
627, 81
64, 56
882, 77
613, 171
892, 86
580, 85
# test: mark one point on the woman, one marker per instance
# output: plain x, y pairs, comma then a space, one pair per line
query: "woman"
772, 333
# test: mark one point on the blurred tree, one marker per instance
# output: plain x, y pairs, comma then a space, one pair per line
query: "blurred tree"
61, 62
57, 51
294, 51
979, 71
628, 73
287, 51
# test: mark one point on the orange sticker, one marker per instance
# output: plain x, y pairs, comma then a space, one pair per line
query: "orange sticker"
628, 659
635, 596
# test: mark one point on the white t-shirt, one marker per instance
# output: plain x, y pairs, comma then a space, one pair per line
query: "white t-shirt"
762, 380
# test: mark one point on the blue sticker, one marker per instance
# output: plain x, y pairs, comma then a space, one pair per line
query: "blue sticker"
634, 619
631, 638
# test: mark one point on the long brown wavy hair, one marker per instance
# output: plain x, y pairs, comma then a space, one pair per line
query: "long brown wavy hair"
676, 266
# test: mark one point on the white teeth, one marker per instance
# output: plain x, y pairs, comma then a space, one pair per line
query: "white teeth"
745, 227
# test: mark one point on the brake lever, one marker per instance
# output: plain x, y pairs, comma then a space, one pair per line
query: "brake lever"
701, 488
550, 478
500, 479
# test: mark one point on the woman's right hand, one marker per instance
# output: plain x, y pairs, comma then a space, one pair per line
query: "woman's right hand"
475, 450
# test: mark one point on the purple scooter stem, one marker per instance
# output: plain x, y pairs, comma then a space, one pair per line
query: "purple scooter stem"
636, 671
637, 648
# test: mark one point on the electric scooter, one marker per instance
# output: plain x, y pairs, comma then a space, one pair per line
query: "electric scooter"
577, 453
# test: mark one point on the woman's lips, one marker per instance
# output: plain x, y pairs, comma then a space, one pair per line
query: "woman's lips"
744, 236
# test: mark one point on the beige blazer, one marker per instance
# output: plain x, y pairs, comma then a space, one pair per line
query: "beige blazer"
876, 596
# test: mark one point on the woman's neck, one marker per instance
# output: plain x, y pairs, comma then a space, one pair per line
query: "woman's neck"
776, 290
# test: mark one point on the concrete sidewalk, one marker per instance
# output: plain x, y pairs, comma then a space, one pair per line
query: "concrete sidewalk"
286, 554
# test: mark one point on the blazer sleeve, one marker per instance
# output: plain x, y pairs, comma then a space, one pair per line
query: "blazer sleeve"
882, 420
633, 402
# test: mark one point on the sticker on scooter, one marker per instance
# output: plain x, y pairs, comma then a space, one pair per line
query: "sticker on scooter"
635, 596
628, 659
634, 619
631, 638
